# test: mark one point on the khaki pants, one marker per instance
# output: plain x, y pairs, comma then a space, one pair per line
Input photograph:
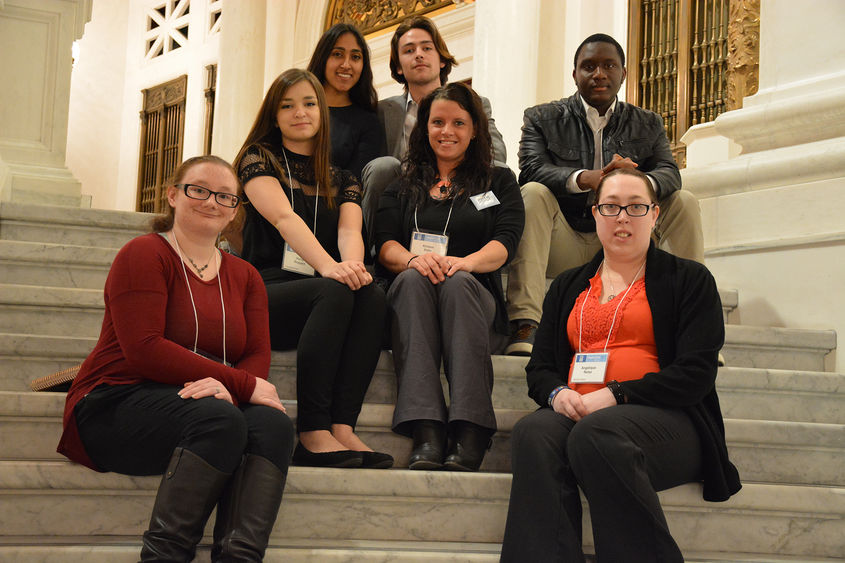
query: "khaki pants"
550, 246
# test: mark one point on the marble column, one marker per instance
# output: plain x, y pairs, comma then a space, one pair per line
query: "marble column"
35, 63
518, 60
241, 74
770, 176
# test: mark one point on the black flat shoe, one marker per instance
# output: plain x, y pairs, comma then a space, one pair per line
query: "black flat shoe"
429, 445
341, 458
377, 460
468, 448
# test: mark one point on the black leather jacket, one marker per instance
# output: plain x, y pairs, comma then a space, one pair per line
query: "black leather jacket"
556, 141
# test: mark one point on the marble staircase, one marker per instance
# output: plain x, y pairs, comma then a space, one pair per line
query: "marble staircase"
784, 422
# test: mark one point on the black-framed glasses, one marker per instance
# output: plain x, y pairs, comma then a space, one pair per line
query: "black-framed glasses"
225, 199
632, 209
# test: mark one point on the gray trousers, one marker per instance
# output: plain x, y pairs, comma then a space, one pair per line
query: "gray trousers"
451, 320
376, 176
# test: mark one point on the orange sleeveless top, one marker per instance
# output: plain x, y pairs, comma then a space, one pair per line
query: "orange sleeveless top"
631, 347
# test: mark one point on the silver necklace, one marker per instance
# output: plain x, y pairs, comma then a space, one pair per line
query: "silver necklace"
198, 269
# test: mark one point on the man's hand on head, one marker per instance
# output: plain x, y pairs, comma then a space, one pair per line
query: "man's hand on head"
618, 162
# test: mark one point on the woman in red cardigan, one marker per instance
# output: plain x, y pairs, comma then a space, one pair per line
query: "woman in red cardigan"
624, 369
177, 383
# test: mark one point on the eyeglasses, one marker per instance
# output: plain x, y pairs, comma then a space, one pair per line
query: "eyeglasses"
194, 191
632, 209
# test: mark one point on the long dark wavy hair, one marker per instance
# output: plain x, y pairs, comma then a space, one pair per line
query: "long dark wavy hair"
472, 175
267, 137
362, 93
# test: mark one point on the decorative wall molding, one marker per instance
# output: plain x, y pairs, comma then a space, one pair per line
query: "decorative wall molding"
743, 51
373, 15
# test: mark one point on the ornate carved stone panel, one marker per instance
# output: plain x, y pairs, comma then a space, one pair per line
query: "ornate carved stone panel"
373, 15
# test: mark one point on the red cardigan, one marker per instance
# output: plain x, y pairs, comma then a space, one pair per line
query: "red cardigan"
148, 329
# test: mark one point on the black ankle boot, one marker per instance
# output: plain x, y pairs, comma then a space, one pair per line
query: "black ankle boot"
429, 445
470, 444
247, 511
186, 496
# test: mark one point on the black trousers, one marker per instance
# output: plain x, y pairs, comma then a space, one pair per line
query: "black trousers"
619, 456
337, 334
133, 429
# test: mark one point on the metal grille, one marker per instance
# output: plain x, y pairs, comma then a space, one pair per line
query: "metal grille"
162, 134
708, 60
681, 60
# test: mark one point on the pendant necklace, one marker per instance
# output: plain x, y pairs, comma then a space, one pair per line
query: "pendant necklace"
199, 269
444, 186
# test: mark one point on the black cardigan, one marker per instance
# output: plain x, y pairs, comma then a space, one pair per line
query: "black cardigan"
689, 332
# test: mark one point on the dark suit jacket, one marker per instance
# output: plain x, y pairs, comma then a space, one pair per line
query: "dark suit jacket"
391, 115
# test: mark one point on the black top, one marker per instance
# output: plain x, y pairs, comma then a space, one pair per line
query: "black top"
263, 245
689, 331
468, 230
357, 137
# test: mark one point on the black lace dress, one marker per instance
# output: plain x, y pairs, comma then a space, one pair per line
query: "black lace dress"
263, 245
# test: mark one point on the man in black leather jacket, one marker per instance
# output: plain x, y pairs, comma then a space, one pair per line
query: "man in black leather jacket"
560, 169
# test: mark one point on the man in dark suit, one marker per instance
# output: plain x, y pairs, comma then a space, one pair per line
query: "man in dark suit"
420, 60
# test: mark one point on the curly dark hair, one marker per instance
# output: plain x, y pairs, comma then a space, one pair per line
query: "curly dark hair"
472, 175
362, 93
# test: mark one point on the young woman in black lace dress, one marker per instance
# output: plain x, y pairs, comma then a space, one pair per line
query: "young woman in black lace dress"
303, 233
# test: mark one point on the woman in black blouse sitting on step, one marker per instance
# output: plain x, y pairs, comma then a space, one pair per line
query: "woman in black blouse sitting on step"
444, 229
303, 234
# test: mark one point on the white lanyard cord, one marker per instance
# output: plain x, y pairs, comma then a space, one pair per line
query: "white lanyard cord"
448, 217
316, 195
619, 304
191, 295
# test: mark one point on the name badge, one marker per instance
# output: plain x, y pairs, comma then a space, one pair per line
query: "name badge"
589, 368
423, 242
485, 200
293, 262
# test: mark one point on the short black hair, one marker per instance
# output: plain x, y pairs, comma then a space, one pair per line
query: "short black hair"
600, 38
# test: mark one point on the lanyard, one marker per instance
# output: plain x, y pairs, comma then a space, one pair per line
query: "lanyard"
191, 294
316, 195
581, 315
448, 217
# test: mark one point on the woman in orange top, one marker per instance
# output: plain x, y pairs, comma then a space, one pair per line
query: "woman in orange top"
624, 369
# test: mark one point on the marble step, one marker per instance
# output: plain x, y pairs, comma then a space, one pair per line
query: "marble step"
763, 451
64, 225
46, 499
745, 393
28, 309
64, 550
56, 311
781, 348
54, 265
